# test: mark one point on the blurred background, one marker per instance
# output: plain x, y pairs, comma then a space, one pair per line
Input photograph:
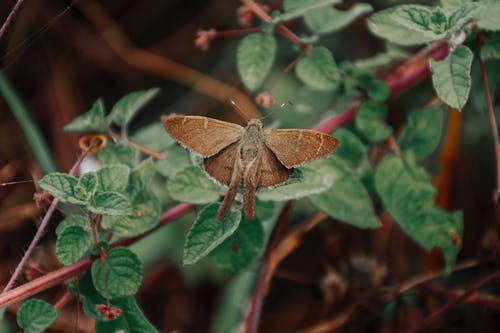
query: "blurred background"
57, 57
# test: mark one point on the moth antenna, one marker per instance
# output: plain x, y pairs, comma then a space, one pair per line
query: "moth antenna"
16, 182
239, 110
282, 105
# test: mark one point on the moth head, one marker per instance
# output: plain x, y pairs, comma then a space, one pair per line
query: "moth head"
254, 122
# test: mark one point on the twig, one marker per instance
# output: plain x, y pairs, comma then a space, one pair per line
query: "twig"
493, 122
11, 16
53, 278
39, 232
460, 299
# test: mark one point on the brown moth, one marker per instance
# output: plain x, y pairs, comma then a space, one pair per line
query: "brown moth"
261, 158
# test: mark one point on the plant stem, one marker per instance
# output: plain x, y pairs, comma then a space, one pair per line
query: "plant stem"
31, 131
53, 278
11, 16
493, 122
39, 232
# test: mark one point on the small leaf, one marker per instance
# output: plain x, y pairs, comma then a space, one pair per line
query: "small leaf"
127, 107
311, 182
370, 121
72, 220
193, 186
352, 152
93, 121
35, 315
319, 70
378, 91
328, 19
296, 8
207, 232
122, 273
145, 215
462, 15
422, 133
408, 24
241, 248
61, 186
177, 159
110, 203
113, 177
153, 137
408, 195
254, 58
117, 153
86, 186
347, 199
487, 15
141, 177
72, 244
491, 51
451, 77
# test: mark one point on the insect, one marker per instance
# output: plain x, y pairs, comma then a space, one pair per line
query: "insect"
259, 158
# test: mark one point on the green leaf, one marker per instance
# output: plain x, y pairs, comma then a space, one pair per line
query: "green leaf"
487, 15
311, 182
319, 70
113, 177
347, 199
145, 215
450, 6
378, 91
72, 220
207, 232
130, 320
176, 160
61, 186
117, 153
328, 19
296, 8
35, 315
154, 137
192, 185
110, 203
461, 16
93, 121
408, 195
127, 107
422, 133
353, 152
141, 177
241, 248
491, 51
409, 24
72, 244
254, 58
122, 273
451, 77
86, 186
370, 121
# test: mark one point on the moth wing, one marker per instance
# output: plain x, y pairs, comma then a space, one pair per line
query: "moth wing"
272, 172
220, 166
293, 147
206, 136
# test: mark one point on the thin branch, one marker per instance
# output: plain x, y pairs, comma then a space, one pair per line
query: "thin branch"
11, 16
40, 231
54, 278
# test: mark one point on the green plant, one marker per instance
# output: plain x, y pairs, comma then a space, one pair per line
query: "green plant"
112, 207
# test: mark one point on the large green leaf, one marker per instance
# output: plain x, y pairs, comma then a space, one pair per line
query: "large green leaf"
347, 199
370, 121
487, 15
319, 70
408, 195
35, 316
241, 248
110, 203
72, 244
117, 153
192, 185
113, 177
422, 133
207, 232
409, 24
177, 159
451, 77
118, 274
61, 186
328, 19
254, 58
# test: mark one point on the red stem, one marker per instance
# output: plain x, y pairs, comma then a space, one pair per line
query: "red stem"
11, 16
53, 278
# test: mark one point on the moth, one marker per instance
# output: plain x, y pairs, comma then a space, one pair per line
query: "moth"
250, 155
